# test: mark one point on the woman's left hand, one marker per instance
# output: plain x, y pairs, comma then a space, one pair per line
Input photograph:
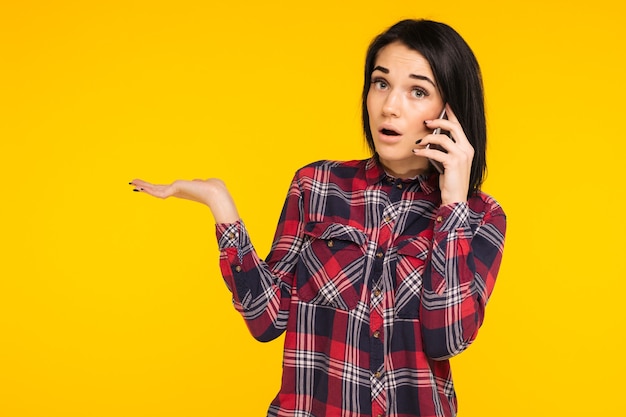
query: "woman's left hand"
457, 162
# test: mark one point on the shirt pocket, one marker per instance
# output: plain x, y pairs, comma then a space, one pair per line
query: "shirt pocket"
330, 266
410, 265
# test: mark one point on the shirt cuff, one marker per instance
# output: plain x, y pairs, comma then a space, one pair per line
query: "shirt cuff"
229, 235
452, 217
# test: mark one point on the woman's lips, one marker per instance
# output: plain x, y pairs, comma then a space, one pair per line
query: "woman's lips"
388, 134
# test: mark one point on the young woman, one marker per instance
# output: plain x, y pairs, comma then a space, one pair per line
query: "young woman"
380, 269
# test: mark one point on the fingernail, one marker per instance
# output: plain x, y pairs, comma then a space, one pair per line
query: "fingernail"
130, 183
135, 190
417, 142
427, 121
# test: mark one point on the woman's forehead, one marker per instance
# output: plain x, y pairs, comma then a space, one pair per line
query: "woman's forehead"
398, 57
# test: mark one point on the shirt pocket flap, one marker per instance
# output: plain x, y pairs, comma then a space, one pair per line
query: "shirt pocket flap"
338, 231
417, 247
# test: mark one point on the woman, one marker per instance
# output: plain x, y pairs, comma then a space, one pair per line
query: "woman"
380, 269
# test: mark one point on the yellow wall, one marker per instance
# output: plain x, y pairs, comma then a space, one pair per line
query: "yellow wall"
111, 303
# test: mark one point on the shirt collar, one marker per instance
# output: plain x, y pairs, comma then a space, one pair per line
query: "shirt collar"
375, 174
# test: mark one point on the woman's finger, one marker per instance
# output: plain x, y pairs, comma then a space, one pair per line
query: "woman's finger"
457, 132
450, 114
155, 190
452, 125
445, 150
439, 141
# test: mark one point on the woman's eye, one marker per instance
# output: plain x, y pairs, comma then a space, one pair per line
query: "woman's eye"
419, 93
380, 84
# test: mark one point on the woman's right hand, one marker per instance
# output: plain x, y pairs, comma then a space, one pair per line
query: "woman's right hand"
211, 192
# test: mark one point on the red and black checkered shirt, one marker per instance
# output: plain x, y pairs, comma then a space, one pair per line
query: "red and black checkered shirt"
376, 285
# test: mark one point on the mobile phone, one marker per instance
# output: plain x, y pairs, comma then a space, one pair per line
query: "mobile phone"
438, 165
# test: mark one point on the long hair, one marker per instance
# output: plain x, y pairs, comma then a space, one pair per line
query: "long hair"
456, 72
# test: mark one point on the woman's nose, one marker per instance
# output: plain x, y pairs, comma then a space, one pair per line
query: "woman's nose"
391, 106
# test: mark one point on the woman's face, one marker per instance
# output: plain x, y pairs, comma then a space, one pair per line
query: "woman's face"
401, 96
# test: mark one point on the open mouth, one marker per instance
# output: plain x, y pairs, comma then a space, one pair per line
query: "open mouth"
389, 132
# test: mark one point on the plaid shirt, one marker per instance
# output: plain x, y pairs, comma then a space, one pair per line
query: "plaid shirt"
376, 286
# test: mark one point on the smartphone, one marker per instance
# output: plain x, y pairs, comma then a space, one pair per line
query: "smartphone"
438, 165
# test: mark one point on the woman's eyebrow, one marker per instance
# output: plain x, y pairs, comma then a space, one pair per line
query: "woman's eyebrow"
414, 76
381, 69
422, 77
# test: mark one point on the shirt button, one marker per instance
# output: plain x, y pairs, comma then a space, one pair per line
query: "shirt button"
238, 268
376, 334
231, 235
330, 243
387, 219
399, 186
377, 375
379, 255
377, 292
439, 219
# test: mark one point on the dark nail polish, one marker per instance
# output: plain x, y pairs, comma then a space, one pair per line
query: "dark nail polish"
417, 142
135, 190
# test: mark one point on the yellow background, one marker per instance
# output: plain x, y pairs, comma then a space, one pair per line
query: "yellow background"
111, 303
